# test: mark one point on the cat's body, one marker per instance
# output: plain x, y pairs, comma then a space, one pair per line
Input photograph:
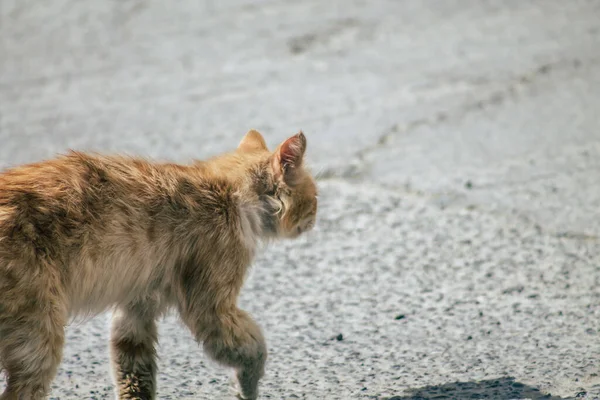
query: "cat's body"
83, 233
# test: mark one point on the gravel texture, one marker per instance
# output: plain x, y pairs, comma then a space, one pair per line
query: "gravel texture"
457, 145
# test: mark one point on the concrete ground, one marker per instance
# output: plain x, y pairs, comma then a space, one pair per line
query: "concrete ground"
458, 150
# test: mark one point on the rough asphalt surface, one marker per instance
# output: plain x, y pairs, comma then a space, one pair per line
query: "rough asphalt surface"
458, 148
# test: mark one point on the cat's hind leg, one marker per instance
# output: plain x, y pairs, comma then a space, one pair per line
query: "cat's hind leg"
133, 351
31, 346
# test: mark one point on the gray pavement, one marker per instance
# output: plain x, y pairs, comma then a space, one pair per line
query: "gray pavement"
457, 145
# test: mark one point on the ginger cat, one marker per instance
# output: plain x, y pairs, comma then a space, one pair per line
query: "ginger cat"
83, 233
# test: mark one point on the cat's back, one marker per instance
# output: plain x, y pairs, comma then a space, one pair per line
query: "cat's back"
54, 198
67, 177
77, 217
64, 204
49, 204
61, 201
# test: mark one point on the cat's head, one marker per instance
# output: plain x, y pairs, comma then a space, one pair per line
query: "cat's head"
286, 188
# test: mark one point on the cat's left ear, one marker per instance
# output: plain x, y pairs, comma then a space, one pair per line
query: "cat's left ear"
252, 141
288, 157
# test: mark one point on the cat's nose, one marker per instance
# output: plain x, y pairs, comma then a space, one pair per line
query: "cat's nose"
307, 226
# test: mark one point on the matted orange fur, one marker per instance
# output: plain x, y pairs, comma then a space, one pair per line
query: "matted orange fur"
84, 233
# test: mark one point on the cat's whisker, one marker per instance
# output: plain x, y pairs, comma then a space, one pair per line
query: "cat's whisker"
319, 173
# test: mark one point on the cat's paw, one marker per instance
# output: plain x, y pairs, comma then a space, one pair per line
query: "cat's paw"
241, 397
236, 389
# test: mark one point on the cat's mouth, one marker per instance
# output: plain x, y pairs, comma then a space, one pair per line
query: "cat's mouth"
300, 229
293, 233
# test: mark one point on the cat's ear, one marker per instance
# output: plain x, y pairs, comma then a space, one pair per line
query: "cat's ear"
288, 157
253, 140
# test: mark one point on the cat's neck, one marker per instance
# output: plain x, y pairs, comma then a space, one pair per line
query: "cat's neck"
258, 212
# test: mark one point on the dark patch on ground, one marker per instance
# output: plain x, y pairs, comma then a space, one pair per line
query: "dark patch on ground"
496, 389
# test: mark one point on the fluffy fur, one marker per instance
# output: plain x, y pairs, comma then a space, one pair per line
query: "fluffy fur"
84, 233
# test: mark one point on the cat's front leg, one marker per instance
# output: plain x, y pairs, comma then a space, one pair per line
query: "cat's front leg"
232, 338
133, 353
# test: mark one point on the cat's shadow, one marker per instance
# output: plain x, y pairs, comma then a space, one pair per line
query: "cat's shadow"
493, 389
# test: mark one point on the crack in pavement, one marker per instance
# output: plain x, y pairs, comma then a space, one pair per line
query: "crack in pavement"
359, 165
495, 98
531, 179
304, 43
